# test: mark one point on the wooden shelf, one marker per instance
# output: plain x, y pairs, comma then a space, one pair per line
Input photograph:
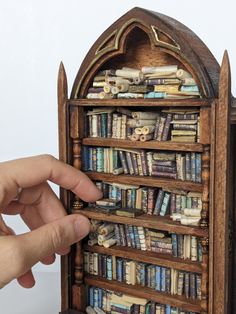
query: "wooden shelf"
147, 221
146, 181
144, 292
191, 102
165, 145
164, 260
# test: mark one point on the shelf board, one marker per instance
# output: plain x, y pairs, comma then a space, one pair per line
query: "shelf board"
191, 102
147, 221
164, 260
144, 292
165, 145
146, 181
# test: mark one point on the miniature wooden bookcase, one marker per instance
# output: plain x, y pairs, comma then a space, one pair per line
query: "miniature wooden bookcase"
148, 120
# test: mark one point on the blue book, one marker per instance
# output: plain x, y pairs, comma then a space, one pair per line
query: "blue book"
143, 274
95, 297
168, 309
165, 204
158, 278
90, 159
100, 298
155, 95
158, 203
109, 267
132, 237
198, 167
119, 270
163, 279
190, 88
91, 296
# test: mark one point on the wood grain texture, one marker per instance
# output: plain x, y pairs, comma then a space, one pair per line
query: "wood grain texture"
164, 260
141, 102
165, 145
148, 221
62, 94
221, 193
146, 180
152, 295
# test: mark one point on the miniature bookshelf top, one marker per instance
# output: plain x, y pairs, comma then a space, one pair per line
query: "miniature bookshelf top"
142, 37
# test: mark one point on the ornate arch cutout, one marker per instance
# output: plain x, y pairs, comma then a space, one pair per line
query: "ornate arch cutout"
166, 36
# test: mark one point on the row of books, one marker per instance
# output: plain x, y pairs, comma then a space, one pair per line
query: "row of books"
145, 239
147, 82
181, 166
102, 301
181, 205
179, 125
162, 279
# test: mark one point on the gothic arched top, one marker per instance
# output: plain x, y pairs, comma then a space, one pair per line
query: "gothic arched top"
165, 34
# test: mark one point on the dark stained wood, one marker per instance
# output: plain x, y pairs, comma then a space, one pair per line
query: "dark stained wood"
141, 102
62, 94
144, 292
164, 260
148, 221
78, 289
168, 145
205, 125
146, 180
221, 193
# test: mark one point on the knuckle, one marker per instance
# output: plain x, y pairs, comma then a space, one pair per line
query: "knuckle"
47, 157
57, 237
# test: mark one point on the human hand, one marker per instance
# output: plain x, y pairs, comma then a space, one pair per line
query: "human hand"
24, 190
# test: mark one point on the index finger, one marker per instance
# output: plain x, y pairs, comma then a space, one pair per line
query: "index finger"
31, 171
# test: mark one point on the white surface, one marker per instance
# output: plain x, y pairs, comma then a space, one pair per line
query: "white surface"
44, 298
34, 37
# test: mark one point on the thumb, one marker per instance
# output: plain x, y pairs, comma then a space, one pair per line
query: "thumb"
27, 249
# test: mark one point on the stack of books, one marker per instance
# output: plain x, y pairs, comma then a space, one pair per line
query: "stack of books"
101, 301
181, 166
162, 279
180, 125
145, 239
147, 82
179, 204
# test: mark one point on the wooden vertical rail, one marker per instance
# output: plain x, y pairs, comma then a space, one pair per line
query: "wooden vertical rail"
205, 277
62, 96
78, 288
221, 204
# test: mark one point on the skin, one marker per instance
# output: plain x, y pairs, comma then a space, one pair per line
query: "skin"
24, 191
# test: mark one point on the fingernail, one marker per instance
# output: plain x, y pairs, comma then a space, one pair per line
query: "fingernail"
82, 227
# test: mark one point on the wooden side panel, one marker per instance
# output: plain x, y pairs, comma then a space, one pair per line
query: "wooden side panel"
221, 205
62, 92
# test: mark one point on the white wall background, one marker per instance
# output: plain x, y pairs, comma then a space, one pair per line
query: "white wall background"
36, 35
